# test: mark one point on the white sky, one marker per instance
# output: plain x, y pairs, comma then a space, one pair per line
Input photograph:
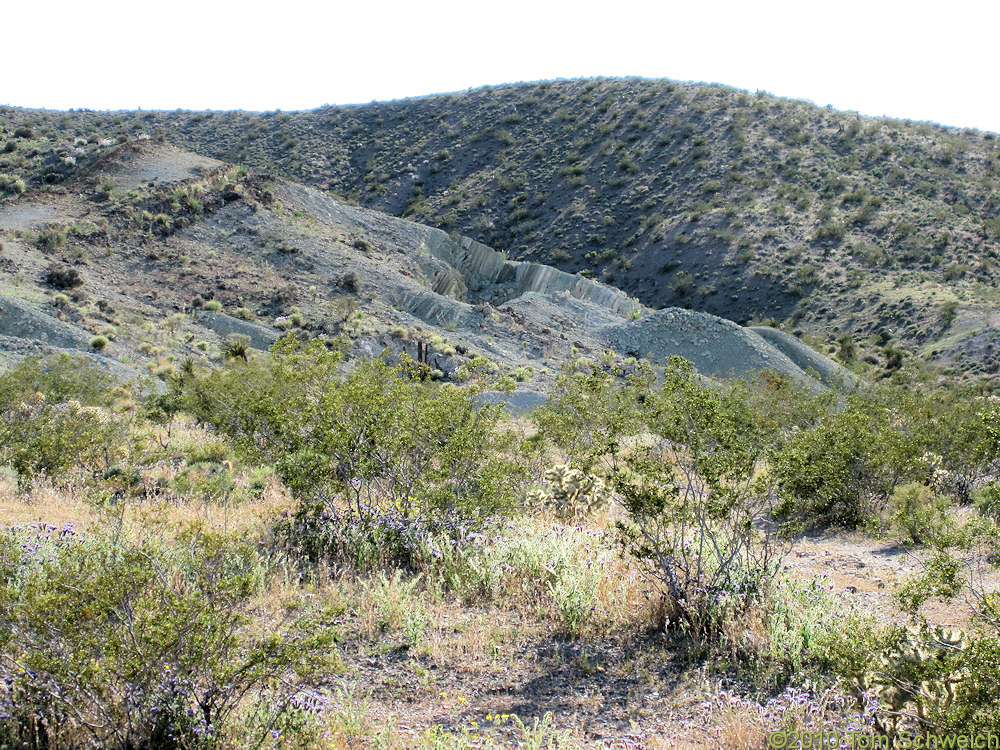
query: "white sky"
912, 60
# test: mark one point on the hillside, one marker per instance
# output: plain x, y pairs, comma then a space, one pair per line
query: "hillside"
742, 205
299, 549
148, 256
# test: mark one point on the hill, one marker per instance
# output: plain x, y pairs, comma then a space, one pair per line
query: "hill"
146, 256
745, 206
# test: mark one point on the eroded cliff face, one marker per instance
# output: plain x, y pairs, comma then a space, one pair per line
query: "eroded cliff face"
272, 251
530, 313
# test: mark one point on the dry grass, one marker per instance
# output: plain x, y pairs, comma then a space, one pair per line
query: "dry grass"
61, 503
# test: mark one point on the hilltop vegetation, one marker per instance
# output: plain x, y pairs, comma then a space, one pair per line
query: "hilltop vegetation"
742, 205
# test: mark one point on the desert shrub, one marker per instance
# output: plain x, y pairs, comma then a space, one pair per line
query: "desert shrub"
57, 378
62, 276
956, 433
830, 233
51, 422
921, 516
194, 205
363, 446
351, 280
117, 643
919, 678
587, 416
524, 373
697, 497
12, 183
944, 678
99, 342
360, 243
987, 500
843, 470
213, 306
681, 284
40, 438
52, 239
949, 311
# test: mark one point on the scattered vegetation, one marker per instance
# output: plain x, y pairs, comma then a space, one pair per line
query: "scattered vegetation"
642, 511
402, 488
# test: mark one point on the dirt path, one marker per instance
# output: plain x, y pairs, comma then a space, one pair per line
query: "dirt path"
872, 570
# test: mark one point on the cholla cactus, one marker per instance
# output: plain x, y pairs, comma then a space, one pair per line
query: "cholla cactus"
938, 478
571, 493
891, 683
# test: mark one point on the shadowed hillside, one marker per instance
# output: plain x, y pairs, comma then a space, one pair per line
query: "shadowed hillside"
742, 205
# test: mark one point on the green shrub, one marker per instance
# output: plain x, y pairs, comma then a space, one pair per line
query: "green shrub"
987, 500
58, 378
586, 418
39, 438
375, 439
52, 421
921, 516
843, 470
946, 677
830, 233
12, 183
194, 205
121, 644
698, 498
52, 238
213, 306
99, 342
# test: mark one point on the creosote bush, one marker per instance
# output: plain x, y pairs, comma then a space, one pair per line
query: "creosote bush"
56, 416
375, 450
695, 485
698, 498
117, 642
